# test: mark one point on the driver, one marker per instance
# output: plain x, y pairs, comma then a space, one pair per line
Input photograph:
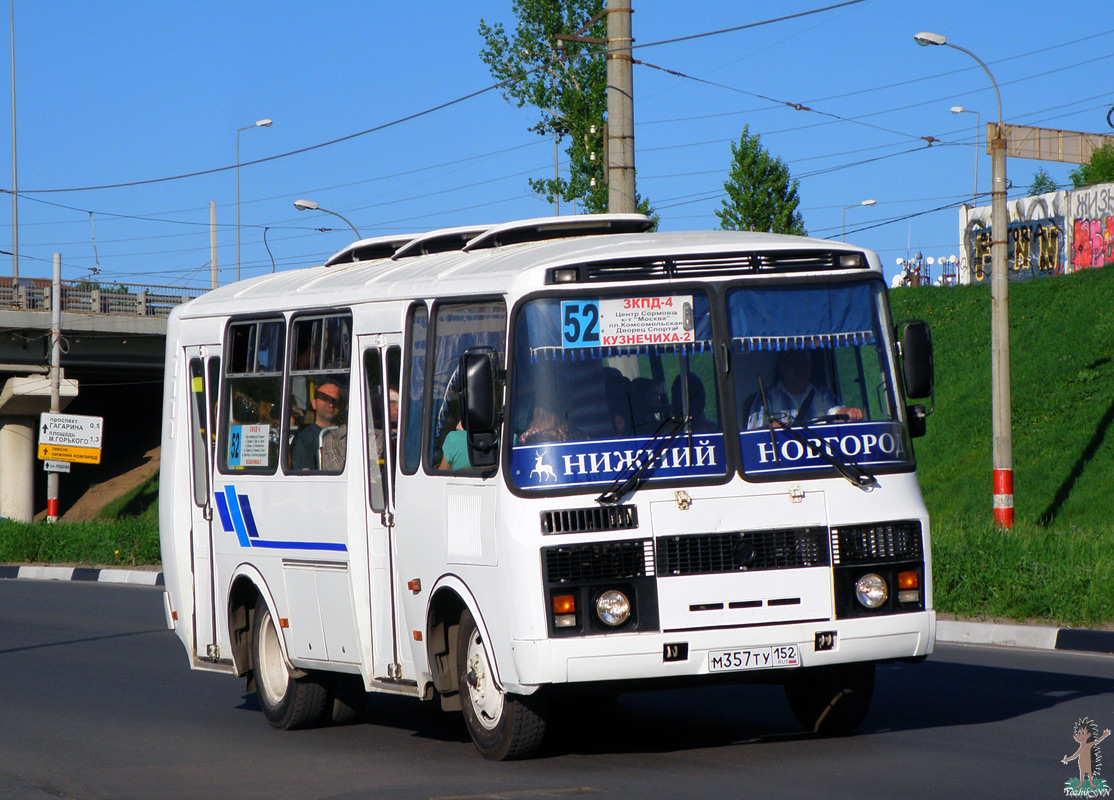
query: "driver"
794, 397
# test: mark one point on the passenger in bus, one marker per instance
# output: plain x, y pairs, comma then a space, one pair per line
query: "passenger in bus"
547, 424
305, 450
619, 405
793, 398
649, 406
696, 421
454, 450
454, 441
334, 448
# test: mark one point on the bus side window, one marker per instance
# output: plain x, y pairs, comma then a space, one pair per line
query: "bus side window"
414, 392
316, 423
199, 432
458, 327
378, 433
252, 396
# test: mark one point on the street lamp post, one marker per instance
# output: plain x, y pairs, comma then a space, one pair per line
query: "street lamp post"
978, 125
263, 123
999, 307
843, 237
309, 205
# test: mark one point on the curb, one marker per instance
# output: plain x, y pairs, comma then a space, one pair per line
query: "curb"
1032, 637
137, 577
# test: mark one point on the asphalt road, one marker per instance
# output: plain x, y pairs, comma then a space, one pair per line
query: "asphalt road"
97, 700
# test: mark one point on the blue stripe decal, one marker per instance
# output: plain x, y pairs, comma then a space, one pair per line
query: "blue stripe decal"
236, 515
237, 519
222, 509
249, 518
338, 546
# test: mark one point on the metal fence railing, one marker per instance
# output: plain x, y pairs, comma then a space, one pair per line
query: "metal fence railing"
122, 299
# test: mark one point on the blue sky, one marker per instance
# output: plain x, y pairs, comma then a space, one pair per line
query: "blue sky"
118, 92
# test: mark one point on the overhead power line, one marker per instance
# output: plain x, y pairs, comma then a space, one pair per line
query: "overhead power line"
749, 25
415, 115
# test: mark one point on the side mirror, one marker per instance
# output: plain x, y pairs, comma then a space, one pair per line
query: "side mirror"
916, 358
917, 370
480, 417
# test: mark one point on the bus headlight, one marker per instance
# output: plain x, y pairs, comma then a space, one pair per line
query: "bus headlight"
871, 590
613, 608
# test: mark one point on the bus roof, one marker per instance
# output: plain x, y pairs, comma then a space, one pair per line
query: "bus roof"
521, 256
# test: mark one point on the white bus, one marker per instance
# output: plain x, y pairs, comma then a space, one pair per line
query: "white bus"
502, 465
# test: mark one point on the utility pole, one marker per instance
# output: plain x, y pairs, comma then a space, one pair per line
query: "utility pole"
15, 188
1001, 409
55, 375
1001, 413
213, 244
620, 109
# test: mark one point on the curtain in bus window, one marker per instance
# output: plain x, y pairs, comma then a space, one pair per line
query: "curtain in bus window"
798, 317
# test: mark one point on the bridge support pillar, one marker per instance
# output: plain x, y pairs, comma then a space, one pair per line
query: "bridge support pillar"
17, 468
21, 402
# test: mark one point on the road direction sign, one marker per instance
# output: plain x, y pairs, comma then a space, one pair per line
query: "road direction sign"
70, 437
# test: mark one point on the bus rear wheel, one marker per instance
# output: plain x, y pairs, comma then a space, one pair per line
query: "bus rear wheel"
287, 701
831, 700
503, 726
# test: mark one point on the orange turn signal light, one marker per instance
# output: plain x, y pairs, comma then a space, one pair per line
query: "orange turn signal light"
908, 580
564, 604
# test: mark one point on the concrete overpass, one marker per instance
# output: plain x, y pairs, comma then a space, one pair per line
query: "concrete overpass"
113, 341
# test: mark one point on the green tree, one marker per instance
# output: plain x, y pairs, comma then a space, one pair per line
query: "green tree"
1100, 169
1042, 183
566, 81
761, 196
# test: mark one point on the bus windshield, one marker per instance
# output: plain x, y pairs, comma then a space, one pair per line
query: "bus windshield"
812, 378
602, 383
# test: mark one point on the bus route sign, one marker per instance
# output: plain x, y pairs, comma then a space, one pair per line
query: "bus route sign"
70, 437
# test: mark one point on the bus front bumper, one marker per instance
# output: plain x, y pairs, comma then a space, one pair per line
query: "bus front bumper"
694, 653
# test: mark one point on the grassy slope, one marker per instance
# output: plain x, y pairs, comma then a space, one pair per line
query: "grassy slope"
1058, 562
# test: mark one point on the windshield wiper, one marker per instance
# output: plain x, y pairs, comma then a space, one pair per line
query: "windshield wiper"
844, 466
634, 474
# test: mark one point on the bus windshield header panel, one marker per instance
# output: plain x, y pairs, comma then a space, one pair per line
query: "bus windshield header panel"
813, 379
604, 383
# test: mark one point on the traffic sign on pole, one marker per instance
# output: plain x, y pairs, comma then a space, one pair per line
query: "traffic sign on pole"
70, 437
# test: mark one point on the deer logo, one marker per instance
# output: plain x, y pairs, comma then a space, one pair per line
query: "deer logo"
541, 469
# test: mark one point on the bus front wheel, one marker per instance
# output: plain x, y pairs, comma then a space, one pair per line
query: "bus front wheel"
287, 701
503, 726
831, 700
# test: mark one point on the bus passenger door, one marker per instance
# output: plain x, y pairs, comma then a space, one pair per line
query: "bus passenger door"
204, 373
381, 359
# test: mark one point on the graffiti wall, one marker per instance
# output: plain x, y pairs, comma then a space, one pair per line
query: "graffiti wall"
1049, 234
1092, 222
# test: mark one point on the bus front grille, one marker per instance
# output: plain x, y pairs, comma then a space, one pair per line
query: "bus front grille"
590, 520
742, 551
882, 541
597, 561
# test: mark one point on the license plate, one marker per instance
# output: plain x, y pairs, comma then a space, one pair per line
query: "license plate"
781, 655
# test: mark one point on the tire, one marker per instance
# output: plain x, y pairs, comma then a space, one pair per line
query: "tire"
287, 702
504, 727
347, 699
831, 700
